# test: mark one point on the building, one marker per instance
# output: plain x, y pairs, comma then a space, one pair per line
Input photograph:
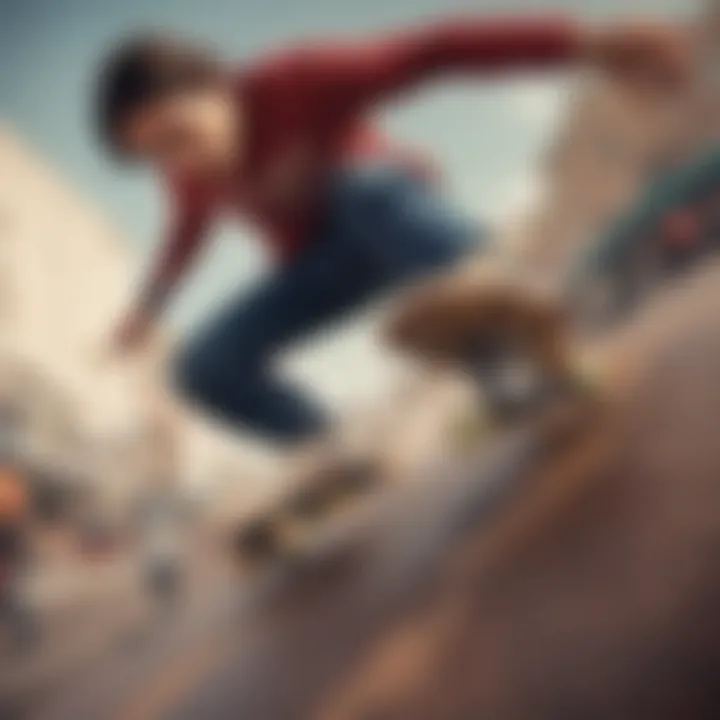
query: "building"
64, 273
64, 277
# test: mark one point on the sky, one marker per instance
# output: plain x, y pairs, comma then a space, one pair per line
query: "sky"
487, 137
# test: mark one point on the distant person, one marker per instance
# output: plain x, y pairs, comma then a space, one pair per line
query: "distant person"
161, 518
287, 144
15, 612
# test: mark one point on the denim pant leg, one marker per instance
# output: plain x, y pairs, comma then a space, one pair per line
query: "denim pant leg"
382, 228
404, 222
228, 368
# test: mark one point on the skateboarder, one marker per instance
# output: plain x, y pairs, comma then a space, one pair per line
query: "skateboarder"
286, 143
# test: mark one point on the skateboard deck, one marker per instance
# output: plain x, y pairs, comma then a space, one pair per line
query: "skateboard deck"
293, 529
614, 280
511, 339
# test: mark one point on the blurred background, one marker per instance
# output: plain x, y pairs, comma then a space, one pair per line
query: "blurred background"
113, 496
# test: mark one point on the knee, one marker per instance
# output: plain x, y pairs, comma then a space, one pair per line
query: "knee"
206, 380
364, 192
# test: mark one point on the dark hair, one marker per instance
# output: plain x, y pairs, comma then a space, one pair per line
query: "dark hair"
143, 70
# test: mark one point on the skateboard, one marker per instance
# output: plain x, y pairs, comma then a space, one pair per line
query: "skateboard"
515, 343
292, 530
509, 338
612, 282
520, 345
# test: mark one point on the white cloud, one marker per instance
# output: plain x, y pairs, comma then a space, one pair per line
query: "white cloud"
539, 107
540, 103
515, 198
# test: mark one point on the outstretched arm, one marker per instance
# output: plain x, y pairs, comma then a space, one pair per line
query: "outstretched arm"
362, 72
181, 246
350, 75
184, 238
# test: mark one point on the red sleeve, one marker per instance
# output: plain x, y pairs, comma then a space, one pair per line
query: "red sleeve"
183, 239
361, 73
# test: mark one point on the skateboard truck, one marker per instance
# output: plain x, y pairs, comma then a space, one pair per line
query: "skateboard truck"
289, 529
512, 384
256, 541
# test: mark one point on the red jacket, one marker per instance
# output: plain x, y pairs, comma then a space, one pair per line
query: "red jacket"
306, 115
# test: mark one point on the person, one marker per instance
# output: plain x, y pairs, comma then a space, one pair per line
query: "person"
15, 611
161, 517
288, 144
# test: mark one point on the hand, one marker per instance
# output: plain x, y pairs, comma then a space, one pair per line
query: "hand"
653, 56
133, 332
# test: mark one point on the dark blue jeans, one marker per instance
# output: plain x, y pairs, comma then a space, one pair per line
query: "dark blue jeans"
382, 228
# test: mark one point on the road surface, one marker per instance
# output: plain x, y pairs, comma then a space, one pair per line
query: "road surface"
580, 583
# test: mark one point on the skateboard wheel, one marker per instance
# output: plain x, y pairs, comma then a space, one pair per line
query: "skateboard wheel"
256, 541
312, 501
358, 478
